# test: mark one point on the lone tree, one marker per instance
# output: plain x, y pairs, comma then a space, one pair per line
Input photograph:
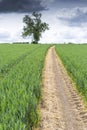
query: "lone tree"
34, 26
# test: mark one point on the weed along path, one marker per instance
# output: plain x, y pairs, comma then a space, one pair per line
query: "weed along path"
61, 107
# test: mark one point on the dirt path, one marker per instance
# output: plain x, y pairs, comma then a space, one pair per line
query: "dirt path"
61, 106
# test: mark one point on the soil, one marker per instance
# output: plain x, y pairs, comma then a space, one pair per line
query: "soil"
61, 107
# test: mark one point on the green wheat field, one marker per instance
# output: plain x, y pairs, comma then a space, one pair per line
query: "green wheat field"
21, 80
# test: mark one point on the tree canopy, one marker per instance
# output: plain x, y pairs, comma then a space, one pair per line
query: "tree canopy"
34, 26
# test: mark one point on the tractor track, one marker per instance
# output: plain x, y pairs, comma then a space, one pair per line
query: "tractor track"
61, 108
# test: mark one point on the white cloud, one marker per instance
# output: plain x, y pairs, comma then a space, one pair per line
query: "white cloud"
11, 26
74, 16
60, 32
4, 35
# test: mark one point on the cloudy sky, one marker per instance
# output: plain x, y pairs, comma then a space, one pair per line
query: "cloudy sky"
67, 20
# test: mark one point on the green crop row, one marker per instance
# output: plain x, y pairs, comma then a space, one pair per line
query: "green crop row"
20, 92
74, 58
13, 56
10, 52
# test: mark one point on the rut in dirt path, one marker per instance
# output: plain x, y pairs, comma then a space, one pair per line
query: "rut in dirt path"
61, 107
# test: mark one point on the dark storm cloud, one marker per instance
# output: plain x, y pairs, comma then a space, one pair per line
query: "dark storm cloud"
20, 6
36, 5
74, 17
69, 3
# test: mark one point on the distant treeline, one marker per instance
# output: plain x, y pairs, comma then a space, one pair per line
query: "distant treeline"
20, 43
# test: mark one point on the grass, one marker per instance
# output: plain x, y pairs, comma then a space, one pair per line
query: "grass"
20, 88
10, 55
74, 58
